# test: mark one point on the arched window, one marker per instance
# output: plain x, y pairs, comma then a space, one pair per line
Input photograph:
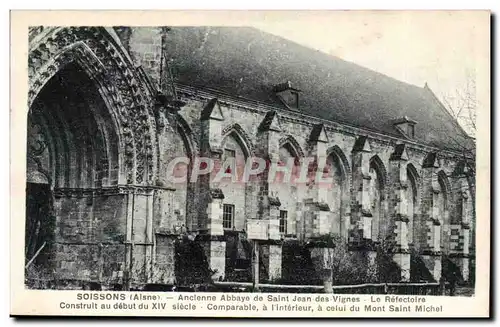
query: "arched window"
442, 205
412, 202
234, 189
284, 185
337, 193
376, 193
442, 210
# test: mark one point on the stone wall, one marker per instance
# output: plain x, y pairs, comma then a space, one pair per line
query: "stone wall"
90, 235
368, 202
359, 150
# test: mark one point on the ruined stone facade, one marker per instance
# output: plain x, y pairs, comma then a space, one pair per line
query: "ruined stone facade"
107, 118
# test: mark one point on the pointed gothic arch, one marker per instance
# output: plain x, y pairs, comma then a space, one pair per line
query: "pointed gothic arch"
339, 194
378, 197
186, 133
102, 58
346, 169
445, 186
290, 141
241, 137
80, 132
413, 190
377, 163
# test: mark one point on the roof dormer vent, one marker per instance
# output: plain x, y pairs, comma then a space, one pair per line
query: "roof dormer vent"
405, 126
288, 95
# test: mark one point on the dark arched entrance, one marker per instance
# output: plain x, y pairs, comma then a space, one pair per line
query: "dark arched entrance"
72, 151
91, 158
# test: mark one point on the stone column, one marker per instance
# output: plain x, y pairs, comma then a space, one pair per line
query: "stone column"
317, 213
459, 251
212, 239
211, 119
269, 204
430, 232
271, 250
321, 257
398, 228
360, 235
211, 233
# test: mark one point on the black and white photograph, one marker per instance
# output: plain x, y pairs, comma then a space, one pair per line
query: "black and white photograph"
296, 160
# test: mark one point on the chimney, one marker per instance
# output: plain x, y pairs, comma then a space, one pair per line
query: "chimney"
405, 126
288, 95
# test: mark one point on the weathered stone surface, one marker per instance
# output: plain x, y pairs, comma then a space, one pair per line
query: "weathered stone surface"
383, 188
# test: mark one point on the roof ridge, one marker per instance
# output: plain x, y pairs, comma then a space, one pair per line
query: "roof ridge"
330, 56
334, 89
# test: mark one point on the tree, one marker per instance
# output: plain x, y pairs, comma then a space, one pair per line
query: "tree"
462, 105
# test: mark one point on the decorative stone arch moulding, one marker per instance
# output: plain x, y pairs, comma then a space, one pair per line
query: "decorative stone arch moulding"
105, 61
414, 172
379, 165
447, 186
241, 136
337, 151
418, 181
289, 139
186, 133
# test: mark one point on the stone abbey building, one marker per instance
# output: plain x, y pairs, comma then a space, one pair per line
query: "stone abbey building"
110, 108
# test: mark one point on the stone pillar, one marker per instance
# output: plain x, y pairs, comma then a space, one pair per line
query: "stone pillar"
211, 119
212, 239
317, 211
317, 149
430, 231
269, 204
360, 235
398, 210
271, 250
316, 218
459, 248
164, 259
321, 256
210, 228
316, 206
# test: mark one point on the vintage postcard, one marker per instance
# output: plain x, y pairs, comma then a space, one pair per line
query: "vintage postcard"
250, 163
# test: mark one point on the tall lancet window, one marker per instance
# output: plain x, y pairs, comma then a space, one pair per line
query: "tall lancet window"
411, 200
286, 188
232, 163
442, 204
442, 211
376, 193
336, 194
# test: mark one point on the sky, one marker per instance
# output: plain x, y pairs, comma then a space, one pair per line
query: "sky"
443, 49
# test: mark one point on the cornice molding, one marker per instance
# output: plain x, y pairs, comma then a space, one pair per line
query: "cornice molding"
306, 120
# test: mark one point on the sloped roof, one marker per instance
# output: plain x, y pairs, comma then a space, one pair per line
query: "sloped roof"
246, 62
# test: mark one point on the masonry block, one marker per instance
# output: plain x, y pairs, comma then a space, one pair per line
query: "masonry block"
404, 262
97, 232
463, 263
164, 267
216, 254
322, 261
145, 48
273, 230
433, 263
271, 255
401, 234
214, 213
